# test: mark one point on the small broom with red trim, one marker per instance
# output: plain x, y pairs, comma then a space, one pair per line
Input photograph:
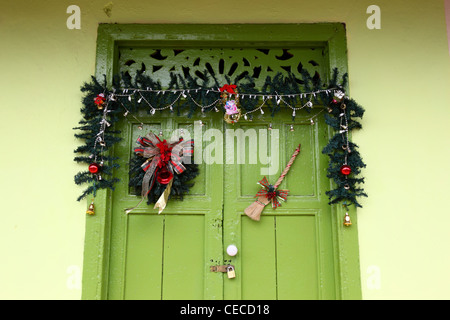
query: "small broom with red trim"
269, 193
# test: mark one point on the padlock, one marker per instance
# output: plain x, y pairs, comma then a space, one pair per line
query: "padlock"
230, 272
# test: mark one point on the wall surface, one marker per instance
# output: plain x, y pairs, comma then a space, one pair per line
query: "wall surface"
399, 73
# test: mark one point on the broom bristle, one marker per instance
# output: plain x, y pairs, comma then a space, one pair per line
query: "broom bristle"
254, 210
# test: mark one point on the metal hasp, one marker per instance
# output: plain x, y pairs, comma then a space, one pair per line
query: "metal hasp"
229, 269
222, 268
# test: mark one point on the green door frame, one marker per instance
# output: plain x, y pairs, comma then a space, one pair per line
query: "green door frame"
111, 36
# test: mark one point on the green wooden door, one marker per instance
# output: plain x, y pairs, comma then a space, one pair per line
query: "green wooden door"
294, 252
288, 254
164, 256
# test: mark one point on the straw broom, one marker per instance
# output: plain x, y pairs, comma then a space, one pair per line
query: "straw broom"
264, 197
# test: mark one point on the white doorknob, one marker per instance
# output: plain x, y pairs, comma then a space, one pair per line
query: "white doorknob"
232, 250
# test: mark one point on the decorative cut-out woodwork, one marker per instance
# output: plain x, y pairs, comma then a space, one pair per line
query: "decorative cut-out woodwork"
234, 63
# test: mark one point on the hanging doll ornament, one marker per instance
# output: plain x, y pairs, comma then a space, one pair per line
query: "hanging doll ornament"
270, 193
230, 103
338, 96
164, 160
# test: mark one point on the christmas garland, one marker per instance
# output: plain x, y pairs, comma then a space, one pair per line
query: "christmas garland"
105, 104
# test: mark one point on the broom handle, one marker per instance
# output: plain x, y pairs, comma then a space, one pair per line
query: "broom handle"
288, 166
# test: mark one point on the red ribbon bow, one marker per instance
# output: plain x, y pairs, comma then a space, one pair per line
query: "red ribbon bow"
164, 153
271, 193
228, 88
164, 159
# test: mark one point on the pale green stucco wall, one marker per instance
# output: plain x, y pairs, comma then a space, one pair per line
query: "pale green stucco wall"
399, 73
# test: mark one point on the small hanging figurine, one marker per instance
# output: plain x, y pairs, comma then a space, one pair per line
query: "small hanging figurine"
347, 221
270, 193
91, 208
231, 106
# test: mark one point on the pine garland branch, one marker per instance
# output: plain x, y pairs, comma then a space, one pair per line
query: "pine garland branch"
291, 85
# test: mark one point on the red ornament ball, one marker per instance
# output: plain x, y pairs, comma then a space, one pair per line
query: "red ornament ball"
94, 168
346, 170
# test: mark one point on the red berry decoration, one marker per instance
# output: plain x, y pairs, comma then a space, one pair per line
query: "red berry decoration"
346, 170
94, 168
99, 101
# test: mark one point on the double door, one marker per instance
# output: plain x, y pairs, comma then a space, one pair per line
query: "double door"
287, 254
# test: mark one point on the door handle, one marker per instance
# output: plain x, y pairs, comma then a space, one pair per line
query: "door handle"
232, 250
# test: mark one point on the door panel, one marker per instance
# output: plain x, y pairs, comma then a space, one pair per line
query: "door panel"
257, 272
250, 140
288, 254
279, 258
163, 256
183, 258
302, 180
144, 244
297, 261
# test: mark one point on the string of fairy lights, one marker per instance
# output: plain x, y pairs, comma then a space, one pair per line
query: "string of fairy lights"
138, 94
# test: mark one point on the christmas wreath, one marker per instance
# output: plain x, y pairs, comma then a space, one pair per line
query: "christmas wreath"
161, 170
